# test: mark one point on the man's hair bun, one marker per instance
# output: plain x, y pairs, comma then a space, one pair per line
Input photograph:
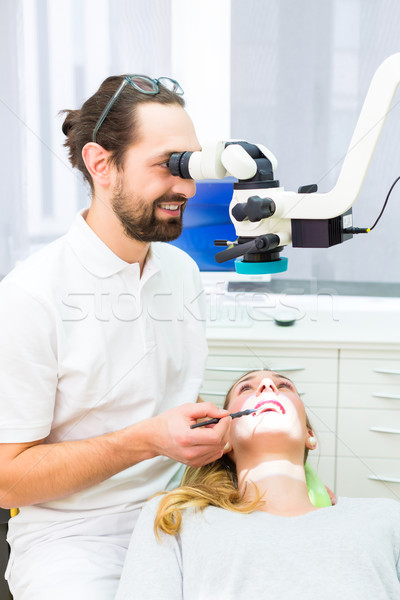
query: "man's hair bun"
70, 120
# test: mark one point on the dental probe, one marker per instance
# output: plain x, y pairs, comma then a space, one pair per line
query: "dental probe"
241, 413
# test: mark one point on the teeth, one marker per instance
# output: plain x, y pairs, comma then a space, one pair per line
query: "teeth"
169, 206
268, 407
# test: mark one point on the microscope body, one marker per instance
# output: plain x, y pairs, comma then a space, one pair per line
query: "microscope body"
266, 216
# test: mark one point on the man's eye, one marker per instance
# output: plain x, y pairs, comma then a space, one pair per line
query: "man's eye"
164, 164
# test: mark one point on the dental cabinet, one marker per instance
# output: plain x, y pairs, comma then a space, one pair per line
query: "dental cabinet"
343, 354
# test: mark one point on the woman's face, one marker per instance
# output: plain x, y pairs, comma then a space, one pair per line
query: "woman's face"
280, 412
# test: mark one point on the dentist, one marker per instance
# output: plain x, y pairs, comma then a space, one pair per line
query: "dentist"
102, 352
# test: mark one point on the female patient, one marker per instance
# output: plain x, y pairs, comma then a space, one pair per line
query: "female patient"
258, 535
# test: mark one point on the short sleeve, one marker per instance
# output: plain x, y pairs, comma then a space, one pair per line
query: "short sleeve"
28, 366
153, 568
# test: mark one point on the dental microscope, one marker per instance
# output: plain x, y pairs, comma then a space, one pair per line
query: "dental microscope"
266, 217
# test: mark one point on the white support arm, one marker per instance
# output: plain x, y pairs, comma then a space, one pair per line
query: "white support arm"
291, 205
215, 161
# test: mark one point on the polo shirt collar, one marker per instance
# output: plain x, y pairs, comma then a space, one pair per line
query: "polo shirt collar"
97, 258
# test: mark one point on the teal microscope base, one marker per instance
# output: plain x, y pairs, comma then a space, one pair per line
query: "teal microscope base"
261, 268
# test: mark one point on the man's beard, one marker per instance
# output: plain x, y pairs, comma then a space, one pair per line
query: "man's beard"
139, 219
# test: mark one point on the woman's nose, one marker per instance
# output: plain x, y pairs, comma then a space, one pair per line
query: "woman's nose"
266, 385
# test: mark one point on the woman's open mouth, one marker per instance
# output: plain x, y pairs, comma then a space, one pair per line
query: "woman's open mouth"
269, 406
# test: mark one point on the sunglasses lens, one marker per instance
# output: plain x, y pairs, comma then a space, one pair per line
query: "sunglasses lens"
144, 84
171, 85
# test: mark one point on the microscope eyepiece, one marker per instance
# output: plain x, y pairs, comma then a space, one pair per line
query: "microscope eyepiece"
179, 164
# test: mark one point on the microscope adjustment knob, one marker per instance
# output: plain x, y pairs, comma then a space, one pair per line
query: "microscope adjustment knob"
254, 209
239, 211
260, 208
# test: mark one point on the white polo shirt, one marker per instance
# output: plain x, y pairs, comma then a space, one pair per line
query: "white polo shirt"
87, 347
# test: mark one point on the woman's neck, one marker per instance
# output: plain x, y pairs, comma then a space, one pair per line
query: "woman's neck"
281, 483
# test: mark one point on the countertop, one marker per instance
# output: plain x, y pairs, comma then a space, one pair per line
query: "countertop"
325, 319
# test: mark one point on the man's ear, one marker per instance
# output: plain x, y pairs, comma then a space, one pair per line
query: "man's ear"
96, 159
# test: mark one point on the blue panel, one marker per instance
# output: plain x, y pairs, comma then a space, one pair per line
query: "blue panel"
206, 219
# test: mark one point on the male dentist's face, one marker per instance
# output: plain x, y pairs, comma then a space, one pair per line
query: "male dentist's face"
148, 200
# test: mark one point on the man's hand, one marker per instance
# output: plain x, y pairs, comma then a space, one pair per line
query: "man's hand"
194, 447
37, 472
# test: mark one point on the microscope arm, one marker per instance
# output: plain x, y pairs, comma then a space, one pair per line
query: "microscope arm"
219, 159
291, 205
265, 216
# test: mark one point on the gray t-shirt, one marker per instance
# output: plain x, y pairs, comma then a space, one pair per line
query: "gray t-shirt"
350, 551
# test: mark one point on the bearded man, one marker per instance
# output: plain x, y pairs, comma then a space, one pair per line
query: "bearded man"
102, 350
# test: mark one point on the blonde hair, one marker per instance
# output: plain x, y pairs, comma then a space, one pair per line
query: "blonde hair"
215, 484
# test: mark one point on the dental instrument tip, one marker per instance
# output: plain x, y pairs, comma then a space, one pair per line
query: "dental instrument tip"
241, 413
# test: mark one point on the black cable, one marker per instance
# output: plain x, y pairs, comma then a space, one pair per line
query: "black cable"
384, 205
354, 230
